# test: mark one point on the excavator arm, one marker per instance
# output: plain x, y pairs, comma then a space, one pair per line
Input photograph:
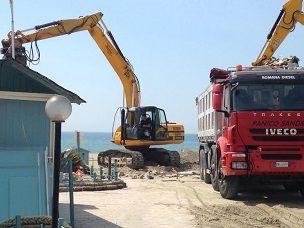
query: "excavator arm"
101, 35
285, 23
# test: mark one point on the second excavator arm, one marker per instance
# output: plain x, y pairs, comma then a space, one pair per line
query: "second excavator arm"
285, 23
103, 38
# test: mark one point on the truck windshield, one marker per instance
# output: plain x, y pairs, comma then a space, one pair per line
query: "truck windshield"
268, 97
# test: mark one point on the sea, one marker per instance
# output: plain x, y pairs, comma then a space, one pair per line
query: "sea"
96, 142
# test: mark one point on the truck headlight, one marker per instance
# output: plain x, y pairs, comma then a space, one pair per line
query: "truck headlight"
238, 155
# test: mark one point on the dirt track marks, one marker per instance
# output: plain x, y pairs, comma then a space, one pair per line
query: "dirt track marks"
211, 210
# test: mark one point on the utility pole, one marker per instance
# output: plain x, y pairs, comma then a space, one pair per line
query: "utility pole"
13, 30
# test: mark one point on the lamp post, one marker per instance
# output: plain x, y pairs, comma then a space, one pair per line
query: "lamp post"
58, 108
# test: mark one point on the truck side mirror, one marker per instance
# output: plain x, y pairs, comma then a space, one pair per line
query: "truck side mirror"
217, 97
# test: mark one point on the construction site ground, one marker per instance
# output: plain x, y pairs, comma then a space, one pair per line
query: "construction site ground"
176, 197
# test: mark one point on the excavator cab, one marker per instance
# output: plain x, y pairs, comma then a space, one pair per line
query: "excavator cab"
145, 123
140, 128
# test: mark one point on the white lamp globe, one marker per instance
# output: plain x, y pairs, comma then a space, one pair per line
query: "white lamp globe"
58, 108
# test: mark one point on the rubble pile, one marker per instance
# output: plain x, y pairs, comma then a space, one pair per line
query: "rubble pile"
285, 62
189, 166
85, 182
98, 185
31, 222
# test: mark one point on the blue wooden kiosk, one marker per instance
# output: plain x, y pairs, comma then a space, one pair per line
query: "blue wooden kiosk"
26, 140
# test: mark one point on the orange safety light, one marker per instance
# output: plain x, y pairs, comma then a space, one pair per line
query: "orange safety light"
239, 67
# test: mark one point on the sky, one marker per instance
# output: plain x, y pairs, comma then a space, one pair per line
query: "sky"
172, 46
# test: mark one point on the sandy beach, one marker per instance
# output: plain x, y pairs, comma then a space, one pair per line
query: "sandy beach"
182, 200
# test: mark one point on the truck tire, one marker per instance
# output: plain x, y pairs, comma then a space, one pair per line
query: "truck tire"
302, 192
228, 185
214, 173
201, 164
206, 175
203, 168
301, 189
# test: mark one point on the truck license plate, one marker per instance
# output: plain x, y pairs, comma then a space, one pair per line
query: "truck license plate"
281, 164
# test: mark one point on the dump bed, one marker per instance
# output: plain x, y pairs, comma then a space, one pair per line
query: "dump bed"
206, 116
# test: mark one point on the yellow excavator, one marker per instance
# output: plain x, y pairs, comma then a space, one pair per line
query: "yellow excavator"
134, 132
284, 24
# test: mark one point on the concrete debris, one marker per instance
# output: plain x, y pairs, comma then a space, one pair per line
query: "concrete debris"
155, 172
189, 163
121, 174
166, 180
187, 173
149, 176
189, 166
285, 62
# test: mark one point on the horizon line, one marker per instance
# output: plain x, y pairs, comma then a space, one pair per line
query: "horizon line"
106, 132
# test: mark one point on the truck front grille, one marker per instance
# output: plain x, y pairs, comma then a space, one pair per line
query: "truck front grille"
281, 149
259, 134
281, 156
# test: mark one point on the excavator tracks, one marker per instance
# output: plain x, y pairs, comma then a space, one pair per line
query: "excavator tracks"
136, 159
133, 159
162, 156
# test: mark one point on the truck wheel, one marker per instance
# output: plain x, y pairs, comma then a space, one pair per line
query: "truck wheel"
302, 192
301, 188
206, 175
203, 168
214, 173
228, 185
201, 165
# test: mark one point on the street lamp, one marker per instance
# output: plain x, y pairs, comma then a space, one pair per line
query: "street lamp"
58, 108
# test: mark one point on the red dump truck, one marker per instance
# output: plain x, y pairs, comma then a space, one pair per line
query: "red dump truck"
251, 128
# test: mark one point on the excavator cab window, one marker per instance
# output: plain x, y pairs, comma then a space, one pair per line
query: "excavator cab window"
139, 124
161, 128
147, 123
131, 124
145, 126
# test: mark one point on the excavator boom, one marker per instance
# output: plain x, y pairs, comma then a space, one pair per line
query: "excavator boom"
103, 39
56, 28
285, 23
